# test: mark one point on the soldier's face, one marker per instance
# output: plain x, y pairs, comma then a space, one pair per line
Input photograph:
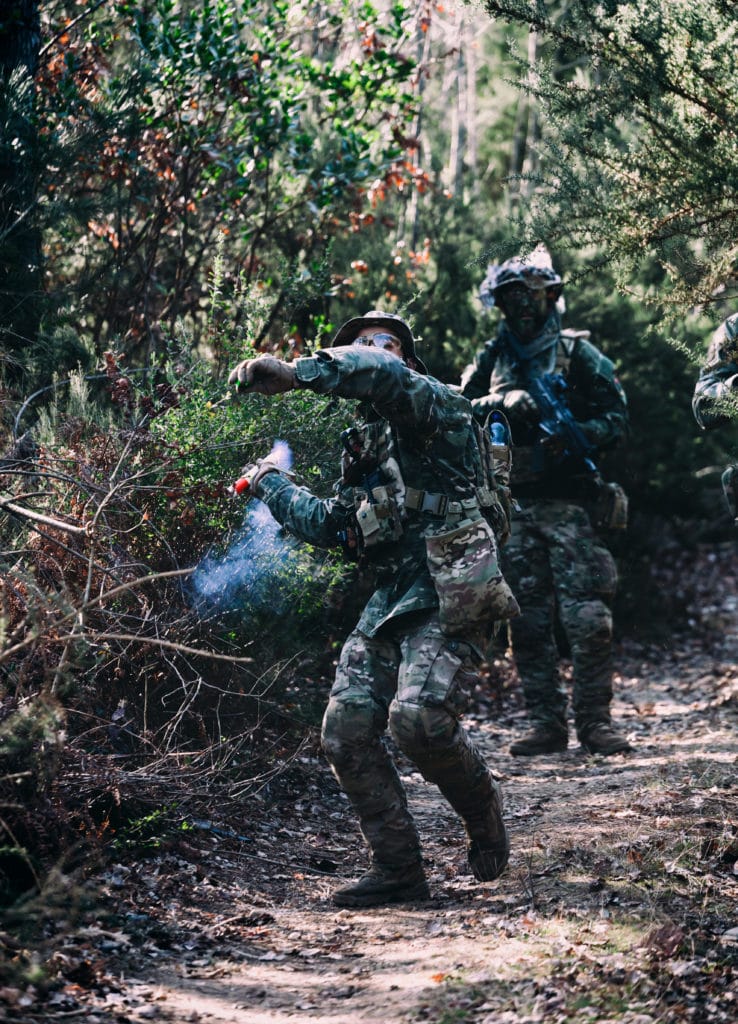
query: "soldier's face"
525, 309
380, 338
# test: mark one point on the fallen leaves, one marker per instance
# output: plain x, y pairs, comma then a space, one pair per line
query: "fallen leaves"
664, 941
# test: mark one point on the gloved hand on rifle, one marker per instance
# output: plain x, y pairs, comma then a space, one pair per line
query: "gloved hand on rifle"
265, 375
554, 445
521, 407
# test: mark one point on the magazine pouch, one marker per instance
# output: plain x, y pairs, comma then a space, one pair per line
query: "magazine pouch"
377, 516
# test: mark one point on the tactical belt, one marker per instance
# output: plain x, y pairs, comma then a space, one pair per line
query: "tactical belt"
438, 504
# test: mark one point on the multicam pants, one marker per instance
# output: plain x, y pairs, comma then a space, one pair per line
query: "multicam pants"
555, 564
416, 680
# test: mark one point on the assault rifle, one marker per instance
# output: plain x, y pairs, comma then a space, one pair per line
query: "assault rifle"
610, 507
557, 421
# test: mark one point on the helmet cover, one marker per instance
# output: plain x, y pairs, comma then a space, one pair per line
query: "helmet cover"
519, 270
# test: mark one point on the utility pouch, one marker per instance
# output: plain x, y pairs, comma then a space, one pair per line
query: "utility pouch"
729, 480
377, 516
610, 506
466, 573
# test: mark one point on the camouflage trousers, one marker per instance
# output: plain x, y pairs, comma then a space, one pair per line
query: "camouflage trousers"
416, 681
556, 566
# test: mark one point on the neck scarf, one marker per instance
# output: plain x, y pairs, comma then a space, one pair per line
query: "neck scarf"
527, 350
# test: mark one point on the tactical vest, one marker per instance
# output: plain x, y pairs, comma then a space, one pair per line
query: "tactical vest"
382, 499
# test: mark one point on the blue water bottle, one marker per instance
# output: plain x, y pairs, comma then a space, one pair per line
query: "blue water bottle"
498, 431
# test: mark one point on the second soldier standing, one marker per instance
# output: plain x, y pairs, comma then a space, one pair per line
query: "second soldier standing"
554, 561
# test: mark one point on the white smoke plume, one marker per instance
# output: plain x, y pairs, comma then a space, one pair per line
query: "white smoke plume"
248, 571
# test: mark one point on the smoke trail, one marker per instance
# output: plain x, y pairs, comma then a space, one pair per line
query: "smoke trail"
281, 455
253, 573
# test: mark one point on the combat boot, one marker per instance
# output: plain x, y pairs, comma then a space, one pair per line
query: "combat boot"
489, 845
382, 885
603, 738
542, 739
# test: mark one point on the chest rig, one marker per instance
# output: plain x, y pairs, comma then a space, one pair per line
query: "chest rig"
370, 467
382, 499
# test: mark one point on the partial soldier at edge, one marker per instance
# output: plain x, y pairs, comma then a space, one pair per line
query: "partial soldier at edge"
715, 398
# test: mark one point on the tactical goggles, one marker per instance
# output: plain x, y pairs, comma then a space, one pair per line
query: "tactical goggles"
378, 340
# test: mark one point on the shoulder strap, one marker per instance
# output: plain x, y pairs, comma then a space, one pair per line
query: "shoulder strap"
568, 341
493, 478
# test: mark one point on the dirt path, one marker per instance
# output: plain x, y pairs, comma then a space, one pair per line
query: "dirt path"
620, 902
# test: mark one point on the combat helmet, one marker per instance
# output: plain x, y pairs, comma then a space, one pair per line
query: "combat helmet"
534, 271
378, 318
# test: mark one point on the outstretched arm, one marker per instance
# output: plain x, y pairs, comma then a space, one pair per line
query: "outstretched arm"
411, 401
314, 520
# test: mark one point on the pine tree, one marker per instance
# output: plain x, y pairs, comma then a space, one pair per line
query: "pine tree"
638, 105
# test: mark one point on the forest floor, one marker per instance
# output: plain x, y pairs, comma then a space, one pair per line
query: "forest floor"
620, 902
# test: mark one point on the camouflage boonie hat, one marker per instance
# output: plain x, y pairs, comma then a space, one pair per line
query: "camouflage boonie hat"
378, 318
519, 271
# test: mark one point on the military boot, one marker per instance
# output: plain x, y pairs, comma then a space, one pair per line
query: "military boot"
603, 738
489, 845
382, 884
542, 739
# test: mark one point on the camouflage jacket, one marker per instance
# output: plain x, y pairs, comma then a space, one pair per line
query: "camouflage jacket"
719, 377
430, 429
595, 397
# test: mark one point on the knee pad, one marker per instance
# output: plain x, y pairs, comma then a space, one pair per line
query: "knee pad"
587, 621
348, 726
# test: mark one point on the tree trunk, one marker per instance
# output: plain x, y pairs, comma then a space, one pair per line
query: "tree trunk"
531, 162
20, 244
412, 210
524, 159
470, 44
454, 171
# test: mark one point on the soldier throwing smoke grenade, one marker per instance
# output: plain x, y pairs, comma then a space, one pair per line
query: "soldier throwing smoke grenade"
414, 499
554, 562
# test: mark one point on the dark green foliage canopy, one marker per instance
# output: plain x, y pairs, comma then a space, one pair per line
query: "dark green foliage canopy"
639, 103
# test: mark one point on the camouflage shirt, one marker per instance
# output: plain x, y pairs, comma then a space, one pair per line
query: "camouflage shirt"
595, 397
430, 429
719, 377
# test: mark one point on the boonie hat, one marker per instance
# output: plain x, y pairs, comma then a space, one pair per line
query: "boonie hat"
378, 318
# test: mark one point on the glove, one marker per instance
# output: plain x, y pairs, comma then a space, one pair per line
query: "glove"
521, 406
266, 375
553, 445
256, 471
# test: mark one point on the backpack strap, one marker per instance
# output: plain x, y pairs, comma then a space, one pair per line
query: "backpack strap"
568, 342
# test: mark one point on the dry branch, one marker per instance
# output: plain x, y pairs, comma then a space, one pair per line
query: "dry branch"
37, 517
